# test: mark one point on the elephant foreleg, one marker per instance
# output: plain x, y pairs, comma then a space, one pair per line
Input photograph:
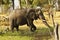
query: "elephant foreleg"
12, 25
32, 26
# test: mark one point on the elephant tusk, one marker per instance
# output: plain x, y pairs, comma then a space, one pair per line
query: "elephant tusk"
43, 20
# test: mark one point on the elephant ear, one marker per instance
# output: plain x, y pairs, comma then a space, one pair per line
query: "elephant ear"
30, 14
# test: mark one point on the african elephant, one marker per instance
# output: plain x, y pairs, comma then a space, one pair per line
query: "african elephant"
26, 16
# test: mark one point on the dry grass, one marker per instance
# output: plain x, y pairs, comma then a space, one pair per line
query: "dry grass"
38, 23
25, 33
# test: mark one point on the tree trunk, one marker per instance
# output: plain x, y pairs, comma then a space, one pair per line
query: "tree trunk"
20, 4
27, 2
1, 2
57, 31
16, 4
56, 5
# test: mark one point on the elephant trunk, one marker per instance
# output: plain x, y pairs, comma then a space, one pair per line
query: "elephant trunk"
41, 16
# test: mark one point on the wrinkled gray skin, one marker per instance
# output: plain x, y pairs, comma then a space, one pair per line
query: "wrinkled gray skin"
26, 16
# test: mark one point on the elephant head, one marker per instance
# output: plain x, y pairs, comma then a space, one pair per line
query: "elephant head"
40, 15
34, 14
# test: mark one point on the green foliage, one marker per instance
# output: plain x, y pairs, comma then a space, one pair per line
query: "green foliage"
32, 2
6, 1
26, 34
36, 2
15, 38
23, 2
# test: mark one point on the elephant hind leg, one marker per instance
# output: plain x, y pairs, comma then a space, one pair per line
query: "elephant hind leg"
17, 28
12, 25
12, 28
